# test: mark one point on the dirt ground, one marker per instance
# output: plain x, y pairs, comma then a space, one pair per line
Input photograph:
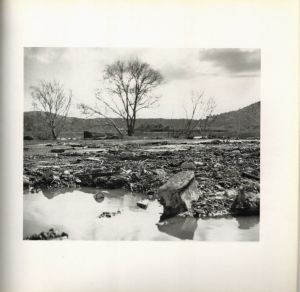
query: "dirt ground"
224, 169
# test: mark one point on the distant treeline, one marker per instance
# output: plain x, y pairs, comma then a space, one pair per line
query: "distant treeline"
242, 123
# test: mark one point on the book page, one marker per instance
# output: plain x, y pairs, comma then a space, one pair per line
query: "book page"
156, 203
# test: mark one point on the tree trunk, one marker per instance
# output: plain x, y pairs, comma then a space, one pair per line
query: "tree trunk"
54, 137
130, 131
130, 126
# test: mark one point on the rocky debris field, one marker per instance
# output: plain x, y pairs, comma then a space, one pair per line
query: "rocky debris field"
109, 214
50, 235
225, 174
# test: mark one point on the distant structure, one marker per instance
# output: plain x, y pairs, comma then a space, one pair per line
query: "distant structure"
99, 136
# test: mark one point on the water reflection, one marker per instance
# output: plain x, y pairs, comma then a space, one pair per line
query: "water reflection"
51, 193
183, 228
76, 213
247, 222
227, 229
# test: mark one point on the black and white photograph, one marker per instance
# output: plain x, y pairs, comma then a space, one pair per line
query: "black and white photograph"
141, 144
149, 146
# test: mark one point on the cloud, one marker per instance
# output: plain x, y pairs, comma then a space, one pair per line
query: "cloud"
236, 62
174, 64
187, 64
44, 55
177, 72
228, 75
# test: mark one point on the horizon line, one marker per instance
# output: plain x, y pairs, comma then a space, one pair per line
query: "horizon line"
149, 118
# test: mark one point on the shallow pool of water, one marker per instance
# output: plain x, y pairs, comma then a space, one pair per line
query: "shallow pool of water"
76, 213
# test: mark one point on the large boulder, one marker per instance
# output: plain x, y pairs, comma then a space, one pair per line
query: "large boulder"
177, 194
246, 203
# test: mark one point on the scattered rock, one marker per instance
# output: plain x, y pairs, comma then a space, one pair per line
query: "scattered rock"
231, 193
109, 214
188, 165
143, 204
161, 173
58, 150
99, 196
55, 178
77, 180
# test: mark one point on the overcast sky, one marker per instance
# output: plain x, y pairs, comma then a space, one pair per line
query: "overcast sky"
230, 76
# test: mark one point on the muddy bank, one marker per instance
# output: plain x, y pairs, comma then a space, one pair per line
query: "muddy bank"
227, 173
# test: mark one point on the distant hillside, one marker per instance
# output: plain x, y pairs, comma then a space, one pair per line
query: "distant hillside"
244, 122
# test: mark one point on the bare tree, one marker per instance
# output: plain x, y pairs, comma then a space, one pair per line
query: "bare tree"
200, 114
129, 89
209, 116
51, 98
